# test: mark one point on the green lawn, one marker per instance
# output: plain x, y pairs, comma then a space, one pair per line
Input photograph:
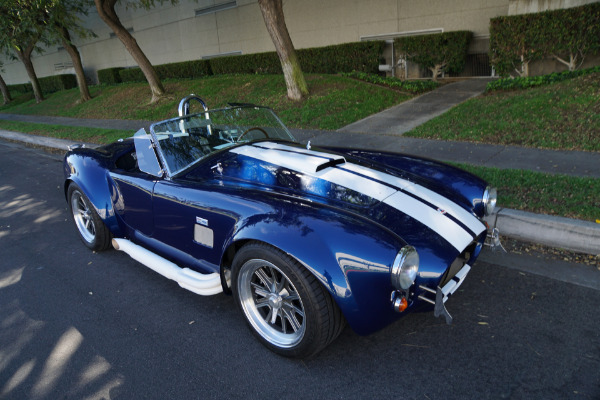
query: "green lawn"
562, 195
564, 115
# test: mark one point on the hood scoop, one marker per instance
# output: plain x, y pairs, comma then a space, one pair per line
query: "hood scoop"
295, 158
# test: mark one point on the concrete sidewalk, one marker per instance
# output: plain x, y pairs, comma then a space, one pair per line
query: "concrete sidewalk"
410, 114
384, 133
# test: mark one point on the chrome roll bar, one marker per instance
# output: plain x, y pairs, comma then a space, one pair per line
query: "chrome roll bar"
184, 104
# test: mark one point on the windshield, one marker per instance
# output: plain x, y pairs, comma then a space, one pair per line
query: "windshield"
184, 141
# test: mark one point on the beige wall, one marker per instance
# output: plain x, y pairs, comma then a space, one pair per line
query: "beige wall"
172, 33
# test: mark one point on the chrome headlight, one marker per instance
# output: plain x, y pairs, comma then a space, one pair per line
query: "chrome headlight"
405, 268
489, 200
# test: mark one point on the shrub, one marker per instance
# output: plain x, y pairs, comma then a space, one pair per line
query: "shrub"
533, 81
109, 76
408, 86
568, 35
438, 52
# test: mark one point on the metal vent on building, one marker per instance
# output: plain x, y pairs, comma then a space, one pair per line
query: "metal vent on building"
113, 35
215, 8
63, 65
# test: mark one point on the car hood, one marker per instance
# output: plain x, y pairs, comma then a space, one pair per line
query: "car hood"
383, 194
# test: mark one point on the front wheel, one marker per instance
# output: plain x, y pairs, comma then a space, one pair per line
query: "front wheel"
90, 226
286, 307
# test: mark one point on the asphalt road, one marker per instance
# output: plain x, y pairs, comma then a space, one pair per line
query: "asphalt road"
78, 325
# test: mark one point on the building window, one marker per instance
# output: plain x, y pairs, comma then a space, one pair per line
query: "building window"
231, 53
215, 8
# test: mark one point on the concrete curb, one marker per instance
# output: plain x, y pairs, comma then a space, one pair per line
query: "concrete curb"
560, 232
41, 141
564, 233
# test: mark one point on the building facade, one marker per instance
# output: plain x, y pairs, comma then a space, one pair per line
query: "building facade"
200, 29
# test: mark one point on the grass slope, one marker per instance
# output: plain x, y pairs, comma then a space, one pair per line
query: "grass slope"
564, 115
335, 101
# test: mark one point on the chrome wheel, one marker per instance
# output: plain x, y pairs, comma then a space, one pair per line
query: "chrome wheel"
92, 230
82, 214
271, 303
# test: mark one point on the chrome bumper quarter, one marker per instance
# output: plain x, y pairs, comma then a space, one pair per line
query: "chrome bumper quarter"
443, 293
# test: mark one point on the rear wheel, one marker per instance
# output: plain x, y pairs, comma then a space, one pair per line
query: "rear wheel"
286, 307
90, 226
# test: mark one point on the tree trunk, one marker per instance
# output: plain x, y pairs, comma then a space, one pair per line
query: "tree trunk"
571, 64
524, 67
77, 65
5, 91
272, 11
437, 70
106, 10
25, 57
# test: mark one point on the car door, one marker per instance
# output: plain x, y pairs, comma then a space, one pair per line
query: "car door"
133, 186
192, 219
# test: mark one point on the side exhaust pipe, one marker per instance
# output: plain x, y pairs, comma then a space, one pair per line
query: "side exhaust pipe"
202, 284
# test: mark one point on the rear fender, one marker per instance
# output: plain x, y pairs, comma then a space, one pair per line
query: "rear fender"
91, 176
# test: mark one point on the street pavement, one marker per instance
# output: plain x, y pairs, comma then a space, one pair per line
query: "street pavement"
77, 324
383, 131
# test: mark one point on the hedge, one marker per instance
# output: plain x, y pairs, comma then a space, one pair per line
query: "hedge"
20, 88
48, 84
257, 63
348, 57
437, 52
131, 75
568, 35
180, 70
109, 76
55, 83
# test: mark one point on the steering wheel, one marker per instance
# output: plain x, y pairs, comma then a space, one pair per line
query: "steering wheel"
255, 128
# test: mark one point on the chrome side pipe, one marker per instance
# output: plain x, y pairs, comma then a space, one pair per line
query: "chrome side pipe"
202, 284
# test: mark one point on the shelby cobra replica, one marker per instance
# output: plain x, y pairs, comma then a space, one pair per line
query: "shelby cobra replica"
306, 239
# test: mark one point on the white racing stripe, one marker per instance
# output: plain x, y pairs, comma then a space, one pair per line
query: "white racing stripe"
308, 165
369, 182
448, 229
439, 201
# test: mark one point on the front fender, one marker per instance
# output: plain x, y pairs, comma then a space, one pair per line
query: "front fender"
350, 256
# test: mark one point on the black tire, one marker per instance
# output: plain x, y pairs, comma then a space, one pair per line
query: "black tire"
285, 306
90, 227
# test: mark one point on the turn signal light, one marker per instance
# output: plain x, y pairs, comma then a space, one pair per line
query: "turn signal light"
400, 304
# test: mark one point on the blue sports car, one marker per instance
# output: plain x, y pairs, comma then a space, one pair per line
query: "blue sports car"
305, 239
